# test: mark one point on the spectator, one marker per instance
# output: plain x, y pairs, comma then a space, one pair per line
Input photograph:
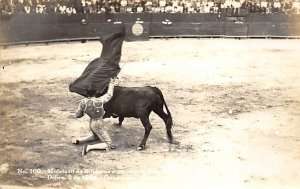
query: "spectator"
40, 8
206, 8
296, 7
189, 7
46, 4
169, 7
254, 7
264, 6
91, 7
78, 6
134, 6
19, 7
246, 7
129, 7
201, 6
184, 5
71, 10
223, 9
162, 5
198, 6
123, 5
117, 5
277, 6
50, 6
111, 7
211, 4
287, 7
62, 8
27, 8
97, 6
148, 6
140, 9
173, 6
173, 3
228, 7
236, 6
2, 5
103, 9
180, 8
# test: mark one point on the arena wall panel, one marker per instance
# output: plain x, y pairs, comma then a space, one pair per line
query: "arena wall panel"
258, 29
295, 29
184, 29
137, 32
56, 27
159, 29
186, 17
284, 29
211, 28
290, 18
236, 29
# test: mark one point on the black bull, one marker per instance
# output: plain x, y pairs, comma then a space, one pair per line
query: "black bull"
139, 102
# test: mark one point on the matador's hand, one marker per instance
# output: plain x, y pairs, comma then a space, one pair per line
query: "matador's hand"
75, 141
114, 81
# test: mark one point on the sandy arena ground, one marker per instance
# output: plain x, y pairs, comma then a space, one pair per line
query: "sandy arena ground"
235, 104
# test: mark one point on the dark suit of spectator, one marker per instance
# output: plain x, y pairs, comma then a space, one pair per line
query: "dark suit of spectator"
19, 8
277, 6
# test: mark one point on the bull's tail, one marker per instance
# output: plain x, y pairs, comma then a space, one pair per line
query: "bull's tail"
158, 91
166, 117
168, 111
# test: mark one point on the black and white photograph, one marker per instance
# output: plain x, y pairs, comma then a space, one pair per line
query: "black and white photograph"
143, 94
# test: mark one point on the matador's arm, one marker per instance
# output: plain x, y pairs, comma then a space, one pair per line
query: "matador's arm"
80, 109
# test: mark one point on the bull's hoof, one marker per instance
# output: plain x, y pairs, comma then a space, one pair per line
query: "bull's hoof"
174, 142
117, 124
140, 148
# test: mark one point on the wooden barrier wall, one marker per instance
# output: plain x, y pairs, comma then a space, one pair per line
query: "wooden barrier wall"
55, 27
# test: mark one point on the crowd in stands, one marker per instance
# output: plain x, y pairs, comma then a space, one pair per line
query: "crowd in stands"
69, 7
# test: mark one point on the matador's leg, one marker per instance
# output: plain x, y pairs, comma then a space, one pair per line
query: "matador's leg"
102, 134
89, 138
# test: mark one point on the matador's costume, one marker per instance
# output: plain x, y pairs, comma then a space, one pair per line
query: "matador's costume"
93, 107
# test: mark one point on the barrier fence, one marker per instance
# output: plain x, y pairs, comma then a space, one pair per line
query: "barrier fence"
56, 27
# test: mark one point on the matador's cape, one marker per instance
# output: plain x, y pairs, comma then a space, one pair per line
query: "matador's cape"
98, 72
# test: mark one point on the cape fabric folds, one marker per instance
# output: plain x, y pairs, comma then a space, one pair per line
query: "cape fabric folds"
98, 72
